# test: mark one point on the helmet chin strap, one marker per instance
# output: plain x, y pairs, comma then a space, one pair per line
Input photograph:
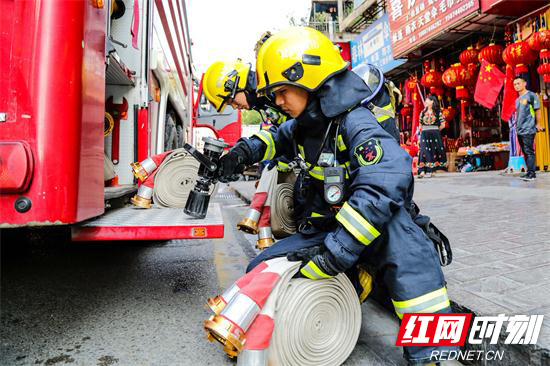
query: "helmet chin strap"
251, 98
312, 118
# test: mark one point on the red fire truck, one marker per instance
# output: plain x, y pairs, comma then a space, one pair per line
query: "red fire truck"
88, 85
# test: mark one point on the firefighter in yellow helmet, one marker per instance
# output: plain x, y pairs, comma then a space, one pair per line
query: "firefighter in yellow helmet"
234, 83
230, 83
356, 184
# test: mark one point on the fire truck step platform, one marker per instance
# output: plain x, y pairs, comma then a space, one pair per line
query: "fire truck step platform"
131, 223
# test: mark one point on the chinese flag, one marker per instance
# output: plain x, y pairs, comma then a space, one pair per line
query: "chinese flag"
489, 84
510, 95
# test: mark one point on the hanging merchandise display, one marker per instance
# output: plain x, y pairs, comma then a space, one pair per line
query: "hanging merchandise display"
469, 56
544, 71
540, 41
519, 55
492, 54
482, 74
458, 77
432, 80
469, 59
449, 113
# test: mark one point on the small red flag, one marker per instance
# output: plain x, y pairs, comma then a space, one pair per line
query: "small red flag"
489, 84
510, 95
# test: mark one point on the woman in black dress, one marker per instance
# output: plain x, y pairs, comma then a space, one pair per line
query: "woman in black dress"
432, 154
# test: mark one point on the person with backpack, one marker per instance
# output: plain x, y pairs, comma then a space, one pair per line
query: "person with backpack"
356, 181
528, 117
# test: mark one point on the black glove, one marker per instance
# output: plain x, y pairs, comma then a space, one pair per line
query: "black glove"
317, 262
272, 164
233, 163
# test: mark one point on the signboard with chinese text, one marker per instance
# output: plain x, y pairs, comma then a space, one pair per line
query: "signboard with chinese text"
414, 22
373, 46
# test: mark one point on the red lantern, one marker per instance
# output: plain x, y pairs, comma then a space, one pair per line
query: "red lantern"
469, 56
540, 40
439, 91
449, 113
411, 83
519, 55
432, 80
492, 54
544, 70
457, 76
426, 66
545, 55
473, 70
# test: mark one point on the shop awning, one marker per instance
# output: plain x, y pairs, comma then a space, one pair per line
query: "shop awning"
483, 25
513, 8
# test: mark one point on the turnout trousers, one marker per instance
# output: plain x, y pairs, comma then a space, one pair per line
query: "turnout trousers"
408, 264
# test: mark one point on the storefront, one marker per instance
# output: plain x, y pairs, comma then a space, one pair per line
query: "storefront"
445, 43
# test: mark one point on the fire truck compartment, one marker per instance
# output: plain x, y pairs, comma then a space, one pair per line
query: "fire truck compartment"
130, 223
119, 191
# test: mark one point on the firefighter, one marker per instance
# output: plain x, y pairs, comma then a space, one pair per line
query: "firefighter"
362, 217
234, 84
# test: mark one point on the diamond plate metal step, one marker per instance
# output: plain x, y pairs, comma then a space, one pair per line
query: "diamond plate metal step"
131, 223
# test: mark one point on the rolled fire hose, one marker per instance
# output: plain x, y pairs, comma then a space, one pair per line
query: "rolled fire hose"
282, 211
315, 322
175, 178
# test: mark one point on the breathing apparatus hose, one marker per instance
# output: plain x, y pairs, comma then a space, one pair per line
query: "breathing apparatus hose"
317, 323
175, 178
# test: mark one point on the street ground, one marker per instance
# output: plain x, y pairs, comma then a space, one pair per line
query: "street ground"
499, 228
136, 303
131, 303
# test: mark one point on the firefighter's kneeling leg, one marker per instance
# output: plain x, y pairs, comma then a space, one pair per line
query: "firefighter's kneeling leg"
413, 276
287, 245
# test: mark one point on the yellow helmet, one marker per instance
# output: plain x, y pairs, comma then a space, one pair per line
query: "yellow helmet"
223, 80
298, 56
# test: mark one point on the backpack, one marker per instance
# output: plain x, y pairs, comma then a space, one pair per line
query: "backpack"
384, 98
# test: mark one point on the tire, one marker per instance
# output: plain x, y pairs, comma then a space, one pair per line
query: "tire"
170, 133
180, 136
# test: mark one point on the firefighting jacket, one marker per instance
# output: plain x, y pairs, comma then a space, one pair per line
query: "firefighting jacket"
379, 177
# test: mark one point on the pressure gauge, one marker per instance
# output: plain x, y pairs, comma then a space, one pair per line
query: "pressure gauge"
334, 194
334, 185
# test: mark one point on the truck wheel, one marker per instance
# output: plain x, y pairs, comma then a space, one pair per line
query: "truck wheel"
170, 133
181, 136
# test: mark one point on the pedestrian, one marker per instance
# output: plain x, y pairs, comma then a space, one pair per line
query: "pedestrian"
528, 117
364, 218
432, 154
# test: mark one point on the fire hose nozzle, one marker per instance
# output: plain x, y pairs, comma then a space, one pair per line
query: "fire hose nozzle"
231, 336
216, 304
265, 243
248, 225
138, 171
